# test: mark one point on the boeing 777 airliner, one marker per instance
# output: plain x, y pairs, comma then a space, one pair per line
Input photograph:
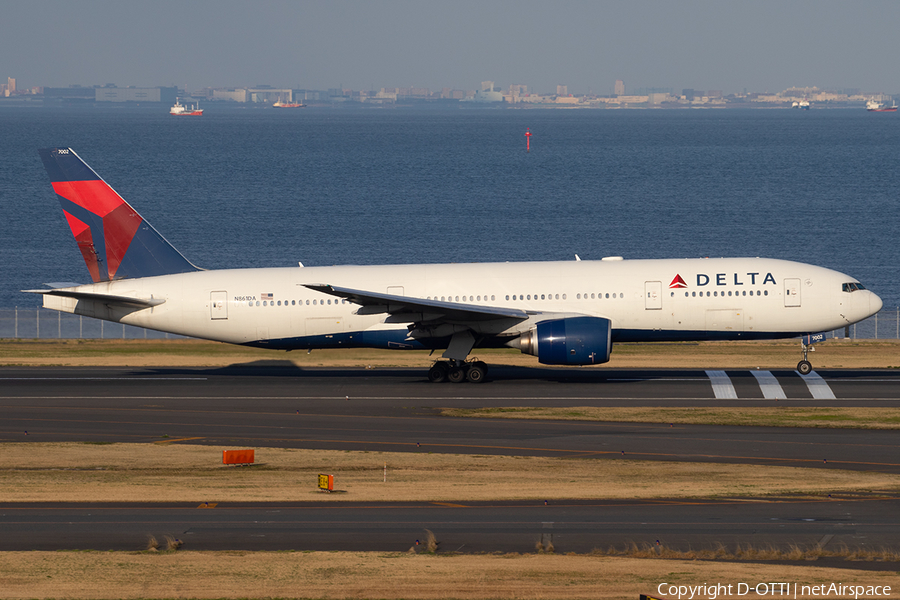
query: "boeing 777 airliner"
565, 313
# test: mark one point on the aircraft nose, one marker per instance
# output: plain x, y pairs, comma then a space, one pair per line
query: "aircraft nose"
875, 303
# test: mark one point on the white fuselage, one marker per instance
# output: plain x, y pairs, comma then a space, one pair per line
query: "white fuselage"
645, 300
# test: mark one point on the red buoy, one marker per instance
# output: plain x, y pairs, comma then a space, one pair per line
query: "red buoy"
528, 139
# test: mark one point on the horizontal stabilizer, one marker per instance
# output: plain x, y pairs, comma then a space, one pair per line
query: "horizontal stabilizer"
103, 298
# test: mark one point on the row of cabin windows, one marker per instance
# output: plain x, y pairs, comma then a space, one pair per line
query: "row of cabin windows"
599, 296
708, 294
536, 297
295, 302
521, 297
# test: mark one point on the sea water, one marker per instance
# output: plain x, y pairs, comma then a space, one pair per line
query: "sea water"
252, 187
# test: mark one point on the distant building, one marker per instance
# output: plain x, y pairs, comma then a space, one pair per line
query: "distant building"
10, 86
620, 88
562, 90
633, 99
74, 92
309, 95
486, 94
270, 95
387, 94
412, 92
167, 95
233, 95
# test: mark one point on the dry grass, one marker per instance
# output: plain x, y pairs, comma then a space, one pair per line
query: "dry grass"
748, 552
342, 575
194, 353
824, 417
74, 472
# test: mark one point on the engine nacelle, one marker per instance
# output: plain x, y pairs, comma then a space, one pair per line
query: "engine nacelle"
572, 341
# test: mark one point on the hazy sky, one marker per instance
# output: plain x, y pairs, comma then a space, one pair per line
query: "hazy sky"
760, 45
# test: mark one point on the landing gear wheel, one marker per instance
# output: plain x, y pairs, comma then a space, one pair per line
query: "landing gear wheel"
456, 375
476, 373
438, 372
804, 367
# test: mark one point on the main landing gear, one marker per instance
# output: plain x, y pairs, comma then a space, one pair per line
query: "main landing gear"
457, 371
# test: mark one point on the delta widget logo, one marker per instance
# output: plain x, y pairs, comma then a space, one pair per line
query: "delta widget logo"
678, 282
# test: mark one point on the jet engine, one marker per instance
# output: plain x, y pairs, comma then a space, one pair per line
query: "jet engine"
571, 341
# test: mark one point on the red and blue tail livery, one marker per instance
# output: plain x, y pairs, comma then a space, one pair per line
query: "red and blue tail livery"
115, 241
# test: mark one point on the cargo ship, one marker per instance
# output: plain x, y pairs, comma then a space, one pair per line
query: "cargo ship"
288, 105
874, 106
180, 109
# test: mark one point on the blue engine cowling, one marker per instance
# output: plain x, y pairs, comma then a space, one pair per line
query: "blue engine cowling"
572, 341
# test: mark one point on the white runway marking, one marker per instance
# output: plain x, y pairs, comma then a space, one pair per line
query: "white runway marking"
721, 384
769, 385
817, 386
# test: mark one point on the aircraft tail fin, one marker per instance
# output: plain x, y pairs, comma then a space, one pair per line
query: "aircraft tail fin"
115, 241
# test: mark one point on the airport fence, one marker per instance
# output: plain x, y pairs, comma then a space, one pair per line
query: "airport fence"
39, 323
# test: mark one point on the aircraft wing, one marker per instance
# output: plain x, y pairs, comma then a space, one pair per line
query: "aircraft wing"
406, 309
109, 299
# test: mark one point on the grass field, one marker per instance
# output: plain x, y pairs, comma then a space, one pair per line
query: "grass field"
73, 472
839, 417
340, 575
834, 354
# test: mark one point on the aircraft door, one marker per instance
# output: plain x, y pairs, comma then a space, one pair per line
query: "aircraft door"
791, 292
653, 295
218, 305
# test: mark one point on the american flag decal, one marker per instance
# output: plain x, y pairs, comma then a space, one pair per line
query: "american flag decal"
267, 296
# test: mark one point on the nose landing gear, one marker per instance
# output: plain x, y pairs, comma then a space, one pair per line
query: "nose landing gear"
804, 366
806, 346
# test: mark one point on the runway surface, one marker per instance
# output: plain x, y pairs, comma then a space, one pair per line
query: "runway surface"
471, 527
396, 410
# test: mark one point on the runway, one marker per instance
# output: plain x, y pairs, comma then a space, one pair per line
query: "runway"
570, 526
397, 410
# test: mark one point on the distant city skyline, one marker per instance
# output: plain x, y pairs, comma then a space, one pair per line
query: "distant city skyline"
762, 46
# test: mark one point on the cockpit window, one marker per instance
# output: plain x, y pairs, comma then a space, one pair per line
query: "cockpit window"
852, 287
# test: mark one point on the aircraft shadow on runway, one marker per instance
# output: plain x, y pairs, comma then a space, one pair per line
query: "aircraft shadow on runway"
285, 368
